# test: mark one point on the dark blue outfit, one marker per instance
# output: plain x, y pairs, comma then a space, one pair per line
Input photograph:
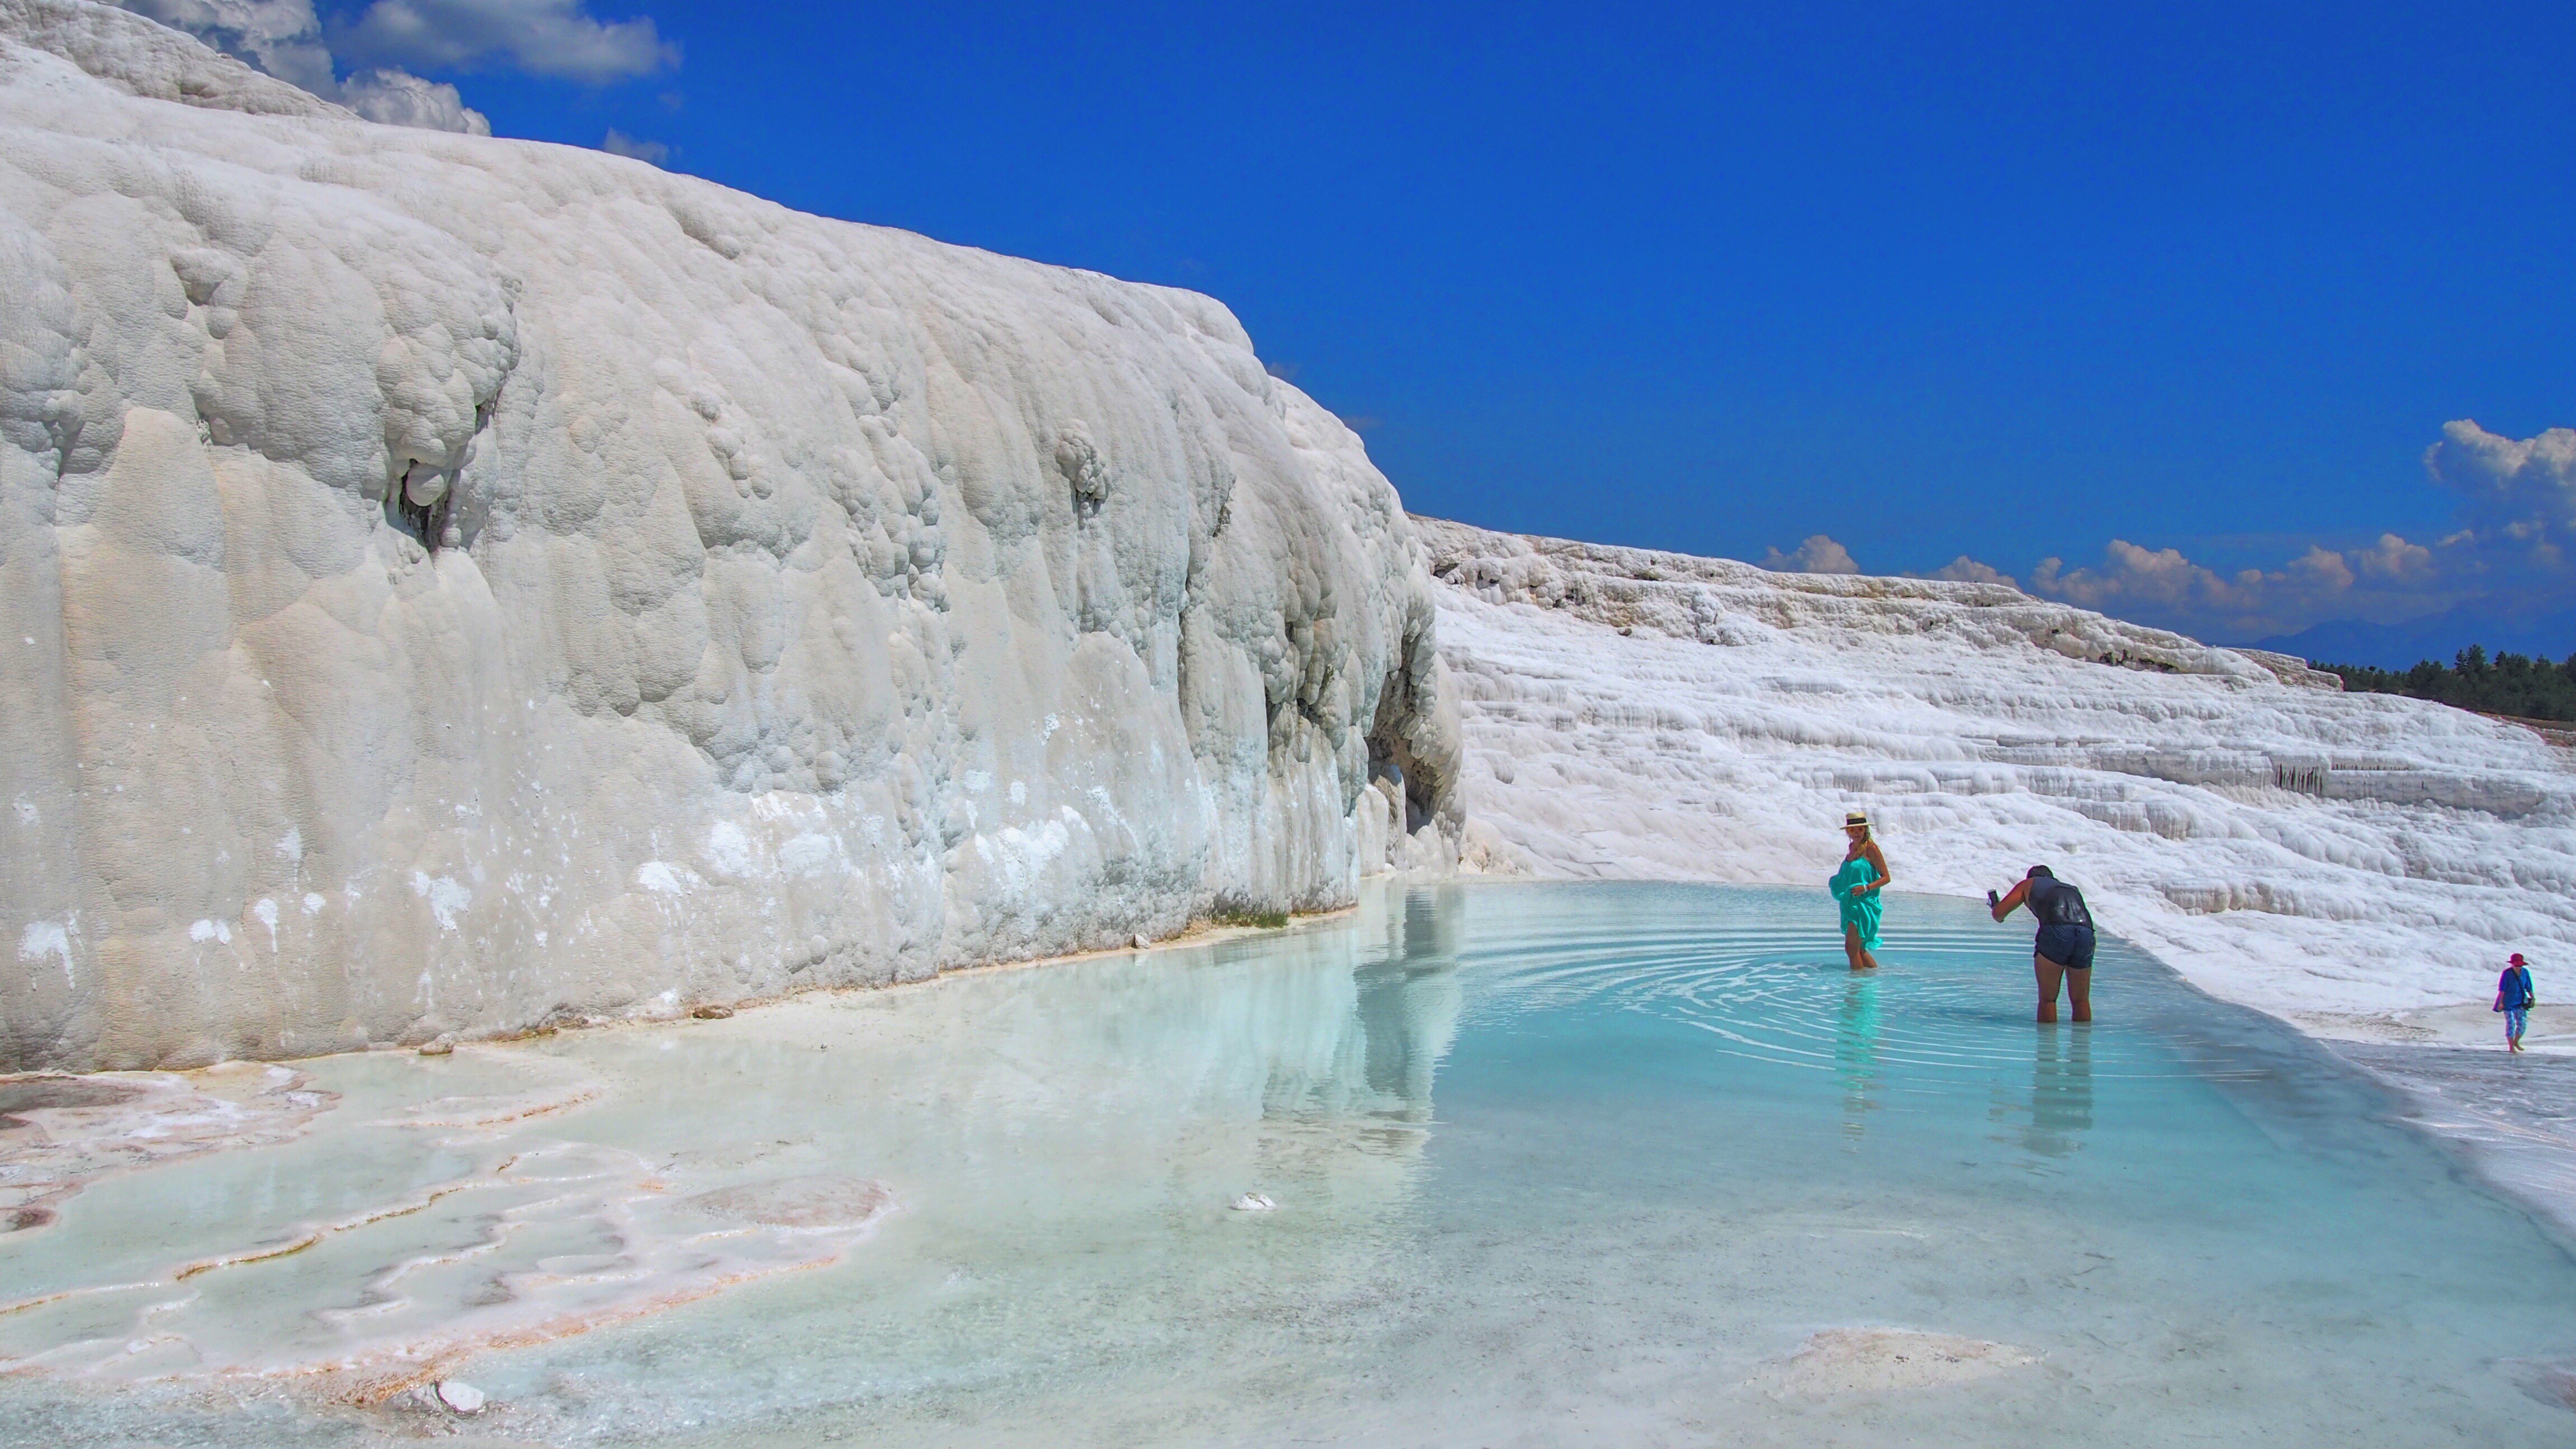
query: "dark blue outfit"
2065, 927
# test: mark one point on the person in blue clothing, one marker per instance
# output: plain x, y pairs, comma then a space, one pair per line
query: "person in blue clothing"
2514, 997
1855, 886
2063, 950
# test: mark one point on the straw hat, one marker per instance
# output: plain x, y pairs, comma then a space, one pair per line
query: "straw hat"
1856, 817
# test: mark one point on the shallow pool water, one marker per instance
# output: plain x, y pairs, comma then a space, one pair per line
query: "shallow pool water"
1553, 1164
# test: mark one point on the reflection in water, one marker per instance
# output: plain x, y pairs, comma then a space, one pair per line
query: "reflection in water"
1349, 1116
1408, 1006
2061, 1091
1856, 1055
1407, 1014
1034, 1115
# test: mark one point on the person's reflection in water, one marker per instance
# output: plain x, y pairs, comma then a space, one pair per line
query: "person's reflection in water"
1407, 1011
1346, 1111
1408, 1015
1856, 1054
2061, 1091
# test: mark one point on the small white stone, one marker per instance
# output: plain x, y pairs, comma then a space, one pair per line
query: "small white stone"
1254, 1202
1141, 941
460, 1396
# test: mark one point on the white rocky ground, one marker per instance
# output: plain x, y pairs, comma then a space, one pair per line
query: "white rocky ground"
448, 582
2357, 863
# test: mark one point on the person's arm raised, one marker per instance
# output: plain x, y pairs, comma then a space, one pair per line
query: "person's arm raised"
2011, 898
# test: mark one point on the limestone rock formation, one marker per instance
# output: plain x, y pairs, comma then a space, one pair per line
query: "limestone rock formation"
454, 583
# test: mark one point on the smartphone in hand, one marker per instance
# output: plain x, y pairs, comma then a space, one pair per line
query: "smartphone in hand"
1993, 900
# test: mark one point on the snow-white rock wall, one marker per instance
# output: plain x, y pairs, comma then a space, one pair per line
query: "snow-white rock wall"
452, 582
2351, 861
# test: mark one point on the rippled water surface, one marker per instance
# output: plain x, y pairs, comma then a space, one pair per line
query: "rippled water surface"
1578, 1164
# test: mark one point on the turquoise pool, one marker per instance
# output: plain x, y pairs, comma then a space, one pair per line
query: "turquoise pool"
1552, 1164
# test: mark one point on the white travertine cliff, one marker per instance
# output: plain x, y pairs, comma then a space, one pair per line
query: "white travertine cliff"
452, 582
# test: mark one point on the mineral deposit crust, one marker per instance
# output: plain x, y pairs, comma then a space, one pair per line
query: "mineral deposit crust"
453, 584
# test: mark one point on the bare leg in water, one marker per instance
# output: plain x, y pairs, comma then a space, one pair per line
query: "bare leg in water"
2079, 989
1861, 960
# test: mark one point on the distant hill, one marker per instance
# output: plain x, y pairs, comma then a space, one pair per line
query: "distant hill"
2437, 637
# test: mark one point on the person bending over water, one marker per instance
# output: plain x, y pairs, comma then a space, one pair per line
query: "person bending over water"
2064, 948
1857, 893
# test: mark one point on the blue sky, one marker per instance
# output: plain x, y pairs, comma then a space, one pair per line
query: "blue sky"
2008, 283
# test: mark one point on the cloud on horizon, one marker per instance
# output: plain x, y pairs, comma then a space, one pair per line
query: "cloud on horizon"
1818, 555
2521, 496
618, 143
2163, 586
2517, 532
399, 98
283, 38
554, 38
290, 40
2516, 541
1965, 570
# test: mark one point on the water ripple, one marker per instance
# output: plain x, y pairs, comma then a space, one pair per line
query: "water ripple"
1948, 1004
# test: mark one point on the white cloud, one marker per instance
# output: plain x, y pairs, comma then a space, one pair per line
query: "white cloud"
2394, 560
285, 38
399, 98
2519, 496
541, 37
2132, 575
2517, 531
618, 143
2391, 579
280, 37
1965, 570
1818, 555
2162, 585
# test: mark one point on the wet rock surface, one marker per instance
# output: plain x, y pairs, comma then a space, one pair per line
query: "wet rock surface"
2512, 1115
60, 1133
27, 1094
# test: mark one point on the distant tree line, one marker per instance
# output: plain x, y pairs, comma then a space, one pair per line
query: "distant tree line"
2507, 684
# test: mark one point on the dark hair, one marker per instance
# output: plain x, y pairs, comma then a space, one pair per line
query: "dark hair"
2037, 871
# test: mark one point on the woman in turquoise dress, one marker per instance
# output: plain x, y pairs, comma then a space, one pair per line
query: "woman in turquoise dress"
1856, 884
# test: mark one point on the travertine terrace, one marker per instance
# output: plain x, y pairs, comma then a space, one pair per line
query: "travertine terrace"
2358, 863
